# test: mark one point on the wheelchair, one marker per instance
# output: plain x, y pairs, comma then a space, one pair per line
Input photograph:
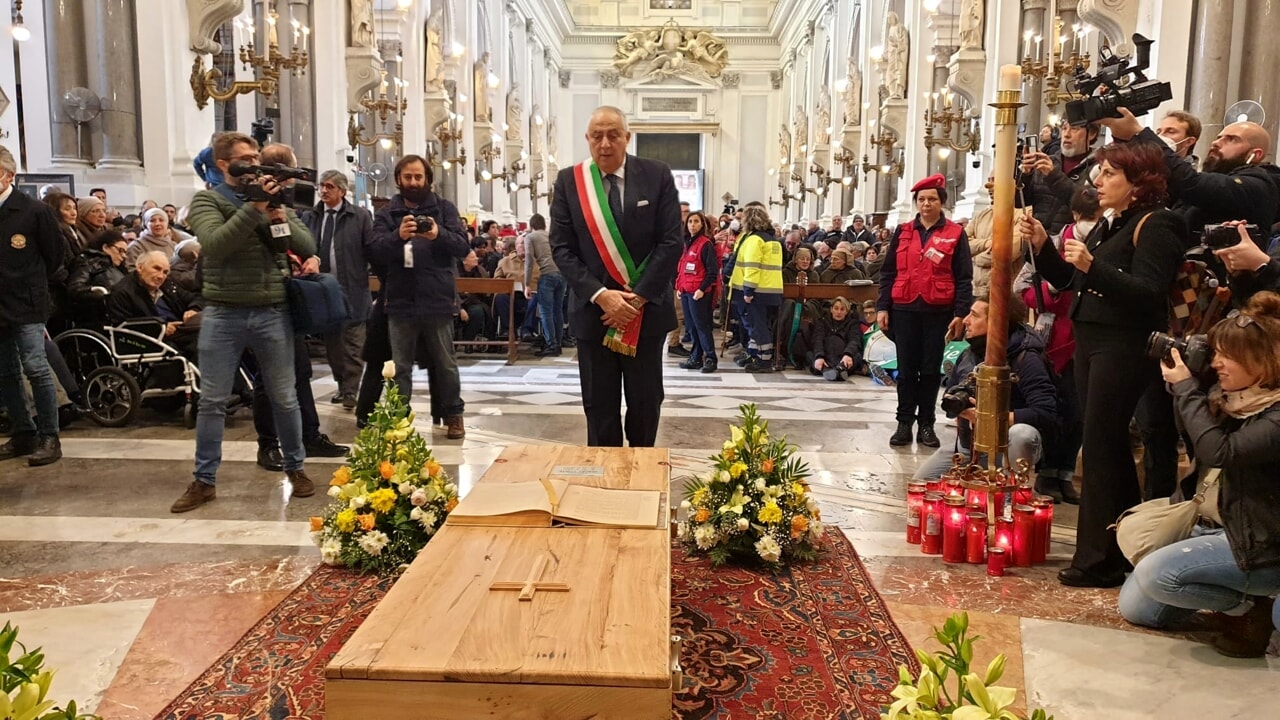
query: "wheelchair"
121, 367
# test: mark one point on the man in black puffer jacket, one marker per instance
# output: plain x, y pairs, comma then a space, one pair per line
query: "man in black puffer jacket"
1033, 399
420, 291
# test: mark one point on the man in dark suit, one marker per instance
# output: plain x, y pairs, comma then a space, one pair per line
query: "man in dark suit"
622, 306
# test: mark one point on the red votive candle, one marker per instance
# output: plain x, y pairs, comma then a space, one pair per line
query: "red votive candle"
976, 537
915, 509
1022, 495
933, 485
931, 536
975, 495
953, 521
1043, 526
952, 487
1024, 531
997, 558
1004, 533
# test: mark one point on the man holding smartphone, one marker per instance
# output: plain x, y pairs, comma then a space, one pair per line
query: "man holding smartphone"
1050, 181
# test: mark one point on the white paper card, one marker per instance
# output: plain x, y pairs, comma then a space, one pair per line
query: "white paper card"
279, 230
408, 254
578, 470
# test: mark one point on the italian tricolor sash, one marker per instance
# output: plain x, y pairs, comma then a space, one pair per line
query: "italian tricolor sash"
603, 226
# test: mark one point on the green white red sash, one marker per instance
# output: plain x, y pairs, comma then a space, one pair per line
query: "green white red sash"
603, 226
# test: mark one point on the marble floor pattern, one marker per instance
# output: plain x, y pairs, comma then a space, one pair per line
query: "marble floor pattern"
130, 602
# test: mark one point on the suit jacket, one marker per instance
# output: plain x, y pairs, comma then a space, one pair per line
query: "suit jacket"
353, 246
650, 230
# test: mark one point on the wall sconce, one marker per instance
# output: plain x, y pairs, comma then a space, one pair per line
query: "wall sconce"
204, 83
20, 31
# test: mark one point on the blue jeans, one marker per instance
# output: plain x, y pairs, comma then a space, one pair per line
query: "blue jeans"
1024, 444
22, 352
1198, 573
225, 332
697, 320
552, 289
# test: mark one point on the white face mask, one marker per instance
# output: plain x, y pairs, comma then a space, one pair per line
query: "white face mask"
1083, 228
734, 225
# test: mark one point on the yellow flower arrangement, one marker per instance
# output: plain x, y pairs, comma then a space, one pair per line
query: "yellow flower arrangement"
345, 520
753, 503
432, 468
382, 500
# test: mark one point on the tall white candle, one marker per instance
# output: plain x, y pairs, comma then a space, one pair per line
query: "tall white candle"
1010, 77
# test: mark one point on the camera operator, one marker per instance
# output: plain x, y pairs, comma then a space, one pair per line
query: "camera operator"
1051, 181
418, 237
1251, 269
244, 244
1234, 182
1033, 402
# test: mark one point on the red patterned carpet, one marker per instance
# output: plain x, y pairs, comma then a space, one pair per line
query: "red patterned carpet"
807, 643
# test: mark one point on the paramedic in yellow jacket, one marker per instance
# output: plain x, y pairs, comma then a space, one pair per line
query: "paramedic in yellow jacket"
756, 285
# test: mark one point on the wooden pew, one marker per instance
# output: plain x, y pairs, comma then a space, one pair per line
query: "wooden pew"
484, 286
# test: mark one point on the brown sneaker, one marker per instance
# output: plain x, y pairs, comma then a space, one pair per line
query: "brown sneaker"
456, 430
197, 494
302, 485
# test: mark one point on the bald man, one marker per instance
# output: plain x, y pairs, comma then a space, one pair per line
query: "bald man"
1235, 183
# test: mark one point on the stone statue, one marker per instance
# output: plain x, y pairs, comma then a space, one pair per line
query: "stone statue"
480, 88
535, 131
971, 14
707, 50
551, 139
822, 118
853, 95
668, 51
514, 112
634, 49
896, 44
362, 30
801, 129
784, 144
435, 51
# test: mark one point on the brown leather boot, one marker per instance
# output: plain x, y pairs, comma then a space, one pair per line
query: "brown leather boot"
302, 485
197, 494
1246, 636
456, 430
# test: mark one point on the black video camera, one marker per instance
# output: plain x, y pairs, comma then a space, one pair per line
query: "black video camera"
956, 400
1136, 93
1218, 237
1196, 351
299, 194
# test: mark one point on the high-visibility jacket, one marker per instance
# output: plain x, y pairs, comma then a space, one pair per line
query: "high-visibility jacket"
758, 269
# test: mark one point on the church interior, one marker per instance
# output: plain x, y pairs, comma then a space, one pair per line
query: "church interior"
821, 110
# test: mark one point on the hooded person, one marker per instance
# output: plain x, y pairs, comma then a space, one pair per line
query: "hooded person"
156, 235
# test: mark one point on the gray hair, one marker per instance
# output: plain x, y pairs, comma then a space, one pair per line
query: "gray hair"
149, 257
8, 164
622, 117
337, 177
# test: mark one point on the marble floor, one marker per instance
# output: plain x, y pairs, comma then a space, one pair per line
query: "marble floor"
130, 602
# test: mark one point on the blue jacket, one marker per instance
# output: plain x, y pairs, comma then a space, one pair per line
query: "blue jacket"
427, 288
1033, 397
206, 168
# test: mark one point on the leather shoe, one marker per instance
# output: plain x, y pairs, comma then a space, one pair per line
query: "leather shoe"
197, 494
1069, 494
901, 436
456, 430
18, 445
1246, 636
1075, 577
1050, 486
927, 437
549, 352
270, 458
322, 446
677, 351
302, 485
48, 451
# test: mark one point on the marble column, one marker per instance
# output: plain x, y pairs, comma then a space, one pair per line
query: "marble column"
65, 50
1033, 20
110, 37
1257, 73
297, 96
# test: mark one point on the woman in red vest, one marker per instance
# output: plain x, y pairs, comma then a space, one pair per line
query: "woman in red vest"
696, 280
926, 288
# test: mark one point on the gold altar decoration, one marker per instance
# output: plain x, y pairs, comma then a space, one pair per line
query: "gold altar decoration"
204, 83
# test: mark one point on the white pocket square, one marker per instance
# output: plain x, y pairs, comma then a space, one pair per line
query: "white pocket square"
642, 203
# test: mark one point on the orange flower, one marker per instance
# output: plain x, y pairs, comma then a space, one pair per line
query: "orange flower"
433, 468
341, 476
449, 506
702, 515
799, 526
317, 524
386, 470
367, 521
767, 465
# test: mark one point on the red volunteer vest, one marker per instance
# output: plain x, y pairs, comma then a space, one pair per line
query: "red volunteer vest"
925, 272
692, 271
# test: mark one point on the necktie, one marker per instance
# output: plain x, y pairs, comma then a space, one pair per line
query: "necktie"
615, 197
326, 241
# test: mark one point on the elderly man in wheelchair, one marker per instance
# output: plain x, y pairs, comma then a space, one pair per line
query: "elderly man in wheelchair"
148, 293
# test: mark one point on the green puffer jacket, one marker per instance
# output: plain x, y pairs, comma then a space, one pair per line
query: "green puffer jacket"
242, 264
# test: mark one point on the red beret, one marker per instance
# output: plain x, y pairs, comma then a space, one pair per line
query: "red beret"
933, 182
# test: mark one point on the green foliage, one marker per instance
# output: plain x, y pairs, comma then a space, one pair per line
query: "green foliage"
754, 504
971, 697
24, 684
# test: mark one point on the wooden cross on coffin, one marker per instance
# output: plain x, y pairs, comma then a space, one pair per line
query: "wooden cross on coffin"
531, 583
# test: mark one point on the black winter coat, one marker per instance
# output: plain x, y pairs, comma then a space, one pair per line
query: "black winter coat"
1248, 451
130, 300
848, 330
428, 287
353, 241
31, 251
92, 269
1033, 398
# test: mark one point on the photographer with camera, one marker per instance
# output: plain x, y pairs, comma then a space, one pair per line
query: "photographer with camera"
420, 241
1231, 562
244, 237
1235, 181
1049, 182
1120, 274
1033, 397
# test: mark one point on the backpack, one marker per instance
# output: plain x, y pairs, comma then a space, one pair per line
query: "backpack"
1197, 299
